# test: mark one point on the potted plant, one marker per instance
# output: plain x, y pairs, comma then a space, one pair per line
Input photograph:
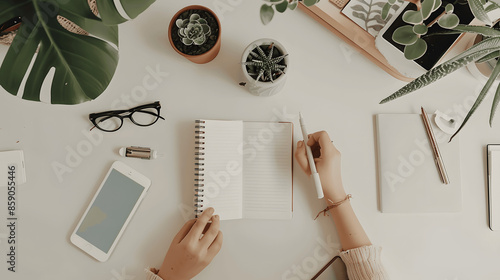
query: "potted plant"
264, 64
84, 62
195, 33
485, 50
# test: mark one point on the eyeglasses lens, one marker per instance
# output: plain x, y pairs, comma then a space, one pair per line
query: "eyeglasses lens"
145, 117
108, 123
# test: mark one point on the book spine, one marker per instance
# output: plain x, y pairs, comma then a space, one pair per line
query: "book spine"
199, 167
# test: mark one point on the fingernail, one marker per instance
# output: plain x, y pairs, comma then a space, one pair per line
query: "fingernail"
210, 209
217, 217
300, 144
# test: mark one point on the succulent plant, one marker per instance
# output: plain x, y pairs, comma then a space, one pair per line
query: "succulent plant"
194, 30
264, 66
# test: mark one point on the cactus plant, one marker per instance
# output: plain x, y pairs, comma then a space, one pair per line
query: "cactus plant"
265, 67
193, 30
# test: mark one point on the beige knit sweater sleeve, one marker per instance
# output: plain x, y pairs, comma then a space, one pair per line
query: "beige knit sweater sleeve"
364, 263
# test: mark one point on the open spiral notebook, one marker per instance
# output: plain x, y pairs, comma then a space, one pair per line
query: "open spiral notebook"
244, 169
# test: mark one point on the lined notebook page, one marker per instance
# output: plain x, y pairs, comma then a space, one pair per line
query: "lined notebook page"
223, 164
267, 172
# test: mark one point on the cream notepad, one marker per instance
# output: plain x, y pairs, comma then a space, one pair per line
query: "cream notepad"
244, 169
409, 181
494, 186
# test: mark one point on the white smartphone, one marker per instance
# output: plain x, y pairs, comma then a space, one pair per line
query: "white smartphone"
437, 46
111, 209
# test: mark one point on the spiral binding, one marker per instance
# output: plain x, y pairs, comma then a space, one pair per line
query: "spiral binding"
199, 167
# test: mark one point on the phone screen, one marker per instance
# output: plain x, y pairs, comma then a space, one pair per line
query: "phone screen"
437, 45
110, 210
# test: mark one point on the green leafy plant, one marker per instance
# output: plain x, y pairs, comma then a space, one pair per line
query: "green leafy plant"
264, 66
487, 49
84, 65
267, 10
411, 35
193, 30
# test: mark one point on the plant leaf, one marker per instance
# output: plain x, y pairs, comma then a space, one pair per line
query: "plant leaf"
480, 97
133, 8
494, 4
413, 17
489, 57
476, 51
281, 7
449, 8
483, 30
266, 13
84, 65
359, 8
310, 2
427, 8
479, 12
494, 106
429, 77
416, 50
385, 10
359, 15
420, 29
107, 11
437, 4
404, 35
378, 18
376, 27
449, 21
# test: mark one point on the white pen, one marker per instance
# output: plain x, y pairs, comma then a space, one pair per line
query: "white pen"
310, 159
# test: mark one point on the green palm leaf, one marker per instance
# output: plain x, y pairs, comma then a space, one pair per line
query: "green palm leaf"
84, 65
480, 97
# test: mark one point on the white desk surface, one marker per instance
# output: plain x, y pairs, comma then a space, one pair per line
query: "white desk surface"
337, 89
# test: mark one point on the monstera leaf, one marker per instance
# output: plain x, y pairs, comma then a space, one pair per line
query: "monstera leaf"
83, 65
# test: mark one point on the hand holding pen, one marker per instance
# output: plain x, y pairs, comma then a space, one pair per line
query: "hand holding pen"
327, 159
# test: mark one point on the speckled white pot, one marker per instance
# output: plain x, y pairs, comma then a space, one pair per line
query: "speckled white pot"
264, 88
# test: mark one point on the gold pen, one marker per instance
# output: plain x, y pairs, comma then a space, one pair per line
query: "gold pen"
435, 149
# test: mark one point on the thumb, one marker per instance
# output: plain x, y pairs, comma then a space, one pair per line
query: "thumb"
301, 157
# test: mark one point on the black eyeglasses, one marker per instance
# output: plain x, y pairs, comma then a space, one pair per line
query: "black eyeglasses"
144, 115
10, 25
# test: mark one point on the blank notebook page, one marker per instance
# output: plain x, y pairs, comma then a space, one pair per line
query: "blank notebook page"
267, 172
223, 183
494, 186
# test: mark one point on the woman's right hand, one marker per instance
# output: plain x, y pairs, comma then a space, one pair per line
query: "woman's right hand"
193, 248
328, 164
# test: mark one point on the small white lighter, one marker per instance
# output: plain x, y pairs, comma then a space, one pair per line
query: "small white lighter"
139, 152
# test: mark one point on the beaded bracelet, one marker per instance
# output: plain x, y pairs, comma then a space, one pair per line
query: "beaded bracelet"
334, 204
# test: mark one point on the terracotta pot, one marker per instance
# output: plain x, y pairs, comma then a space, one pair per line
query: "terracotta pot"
210, 54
